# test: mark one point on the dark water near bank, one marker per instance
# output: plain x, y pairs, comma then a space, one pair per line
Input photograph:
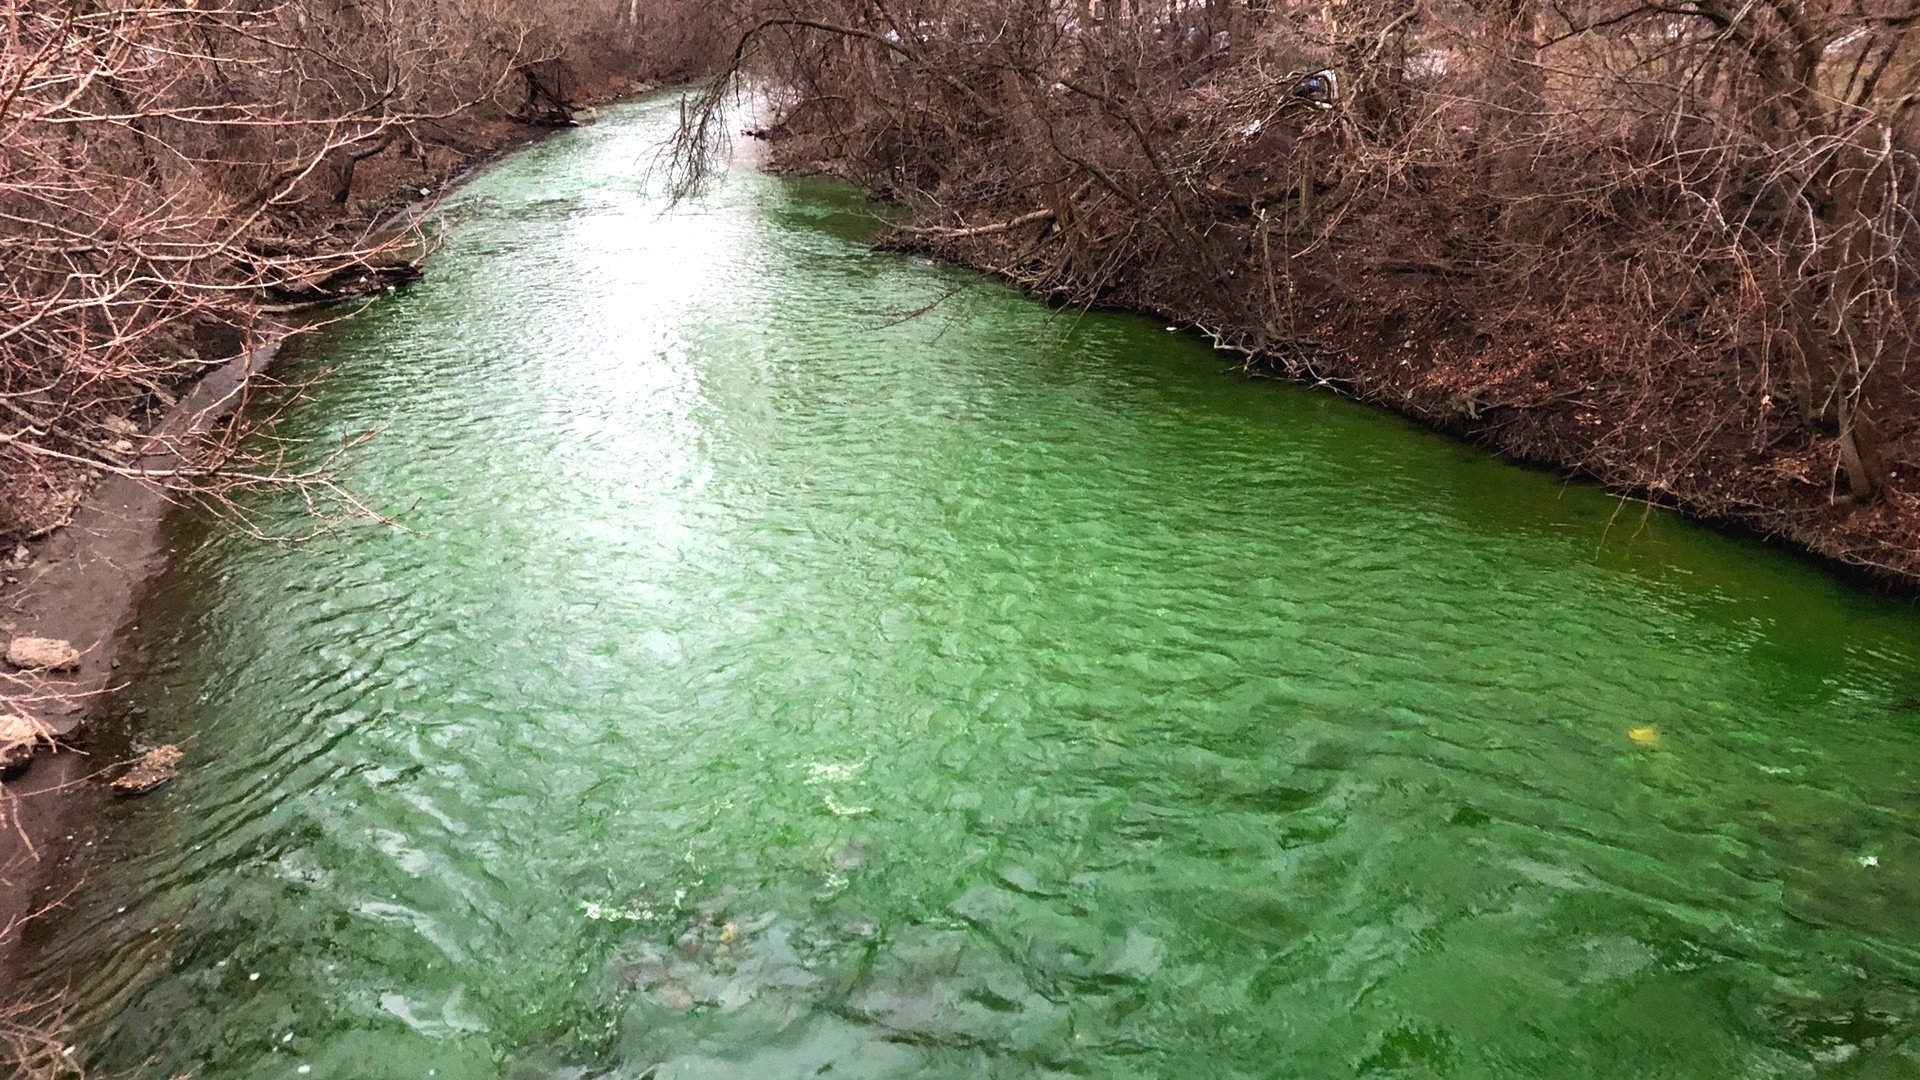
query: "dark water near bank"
768, 687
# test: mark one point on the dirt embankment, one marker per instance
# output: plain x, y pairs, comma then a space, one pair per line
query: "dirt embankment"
1535, 380
1622, 241
78, 576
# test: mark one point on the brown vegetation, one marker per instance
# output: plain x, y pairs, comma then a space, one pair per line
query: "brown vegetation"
175, 173
173, 177
1670, 245
30, 1043
31, 1046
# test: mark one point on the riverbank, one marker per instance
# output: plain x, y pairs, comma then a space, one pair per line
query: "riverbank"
764, 677
1538, 387
1381, 229
78, 578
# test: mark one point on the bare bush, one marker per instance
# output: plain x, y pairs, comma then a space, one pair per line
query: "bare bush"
31, 1047
176, 174
1672, 244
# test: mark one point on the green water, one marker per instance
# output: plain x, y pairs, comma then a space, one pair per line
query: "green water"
768, 687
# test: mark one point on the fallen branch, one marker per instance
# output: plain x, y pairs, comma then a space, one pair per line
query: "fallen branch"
944, 233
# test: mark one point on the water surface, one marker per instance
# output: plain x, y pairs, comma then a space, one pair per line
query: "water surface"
770, 685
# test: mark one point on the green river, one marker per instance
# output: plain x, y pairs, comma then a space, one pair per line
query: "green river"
768, 684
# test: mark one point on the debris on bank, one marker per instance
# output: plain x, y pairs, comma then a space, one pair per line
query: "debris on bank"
42, 654
153, 770
20, 736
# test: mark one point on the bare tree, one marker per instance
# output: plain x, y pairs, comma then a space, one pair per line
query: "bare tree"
1679, 239
176, 174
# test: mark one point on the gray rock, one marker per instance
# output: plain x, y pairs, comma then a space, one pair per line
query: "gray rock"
42, 654
20, 736
155, 768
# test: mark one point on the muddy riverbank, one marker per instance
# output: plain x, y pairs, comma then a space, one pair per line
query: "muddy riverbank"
80, 585
1544, 392
767, 678
1567, 298
79, 576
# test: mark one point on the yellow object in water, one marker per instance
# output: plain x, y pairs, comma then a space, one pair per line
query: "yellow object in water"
1645, 736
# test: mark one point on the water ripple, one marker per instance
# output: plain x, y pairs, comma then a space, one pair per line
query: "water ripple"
764, 688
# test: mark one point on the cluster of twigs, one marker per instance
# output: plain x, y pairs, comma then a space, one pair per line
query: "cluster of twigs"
1709, 209
31, 1046
177, 174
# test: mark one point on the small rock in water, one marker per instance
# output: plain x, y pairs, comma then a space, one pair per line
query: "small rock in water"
1021, 879
675, 997
646, 970
694, 941
42, 654
155, 767
852, 857
20, 736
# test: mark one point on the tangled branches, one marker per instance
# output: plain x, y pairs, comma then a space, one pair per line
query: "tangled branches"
174, 174
1680, 238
